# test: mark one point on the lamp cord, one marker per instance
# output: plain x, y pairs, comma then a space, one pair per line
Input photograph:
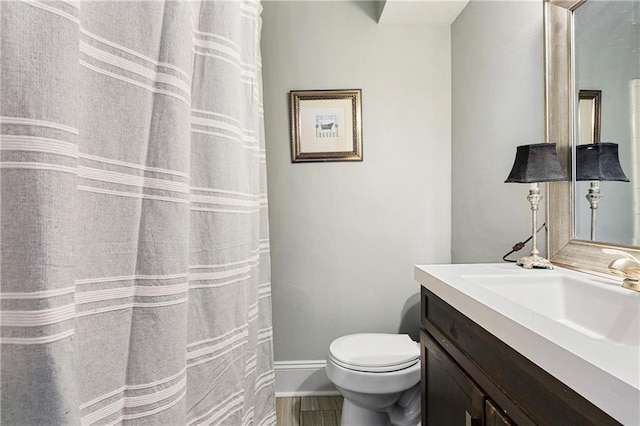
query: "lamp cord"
520, 245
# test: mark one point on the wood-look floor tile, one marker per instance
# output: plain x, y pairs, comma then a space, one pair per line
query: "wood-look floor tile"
319, 418
288, 411
321, 403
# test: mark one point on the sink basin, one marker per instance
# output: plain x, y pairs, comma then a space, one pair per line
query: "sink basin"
594, 307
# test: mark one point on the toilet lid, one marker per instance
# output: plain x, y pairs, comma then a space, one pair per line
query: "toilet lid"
376, 352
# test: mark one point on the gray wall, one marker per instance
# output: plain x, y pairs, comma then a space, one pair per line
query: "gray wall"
497, 104
345, 236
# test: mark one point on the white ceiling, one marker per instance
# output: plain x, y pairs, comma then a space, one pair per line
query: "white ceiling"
420, 12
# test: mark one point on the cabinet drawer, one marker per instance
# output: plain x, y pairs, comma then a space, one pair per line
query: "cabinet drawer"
452, 397
494, 416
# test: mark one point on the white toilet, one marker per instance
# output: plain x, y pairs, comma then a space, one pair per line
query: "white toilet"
379, 377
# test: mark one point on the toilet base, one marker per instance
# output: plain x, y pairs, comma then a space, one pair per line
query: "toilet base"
354, 415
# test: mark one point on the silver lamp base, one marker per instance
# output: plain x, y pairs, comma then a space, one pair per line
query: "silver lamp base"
535, 261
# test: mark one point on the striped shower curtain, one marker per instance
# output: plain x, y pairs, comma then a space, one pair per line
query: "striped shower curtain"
134, 241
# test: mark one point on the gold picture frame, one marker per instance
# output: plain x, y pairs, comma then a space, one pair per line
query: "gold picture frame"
326, 125
588, 114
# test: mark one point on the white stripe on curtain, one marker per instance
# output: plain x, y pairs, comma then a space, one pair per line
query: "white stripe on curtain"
134, 250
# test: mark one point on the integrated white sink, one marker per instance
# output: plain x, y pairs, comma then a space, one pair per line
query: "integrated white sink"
595, 307
582, 329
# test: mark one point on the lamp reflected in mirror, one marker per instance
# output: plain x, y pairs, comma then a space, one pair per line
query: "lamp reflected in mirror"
533, 164
598, 162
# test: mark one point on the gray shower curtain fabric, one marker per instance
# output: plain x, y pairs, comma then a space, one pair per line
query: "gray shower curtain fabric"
135, 282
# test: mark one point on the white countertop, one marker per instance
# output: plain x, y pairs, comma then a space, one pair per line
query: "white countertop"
605, 373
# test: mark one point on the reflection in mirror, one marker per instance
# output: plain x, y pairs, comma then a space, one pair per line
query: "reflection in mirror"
589, 116
634, 87
607, 57
597, 162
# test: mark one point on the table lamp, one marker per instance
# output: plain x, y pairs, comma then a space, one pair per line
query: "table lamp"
536, 163
595, 162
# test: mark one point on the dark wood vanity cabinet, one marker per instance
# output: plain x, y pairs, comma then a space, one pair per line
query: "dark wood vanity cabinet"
458, 398
451, 396
494, 416
471, 378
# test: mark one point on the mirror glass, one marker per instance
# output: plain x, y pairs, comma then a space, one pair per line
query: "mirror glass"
607, 100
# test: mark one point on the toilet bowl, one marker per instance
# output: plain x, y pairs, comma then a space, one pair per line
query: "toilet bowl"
379, 377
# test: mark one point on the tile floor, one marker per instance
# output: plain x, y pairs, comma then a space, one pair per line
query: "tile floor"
309, 411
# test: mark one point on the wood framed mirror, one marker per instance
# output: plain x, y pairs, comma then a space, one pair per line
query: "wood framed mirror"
560, 115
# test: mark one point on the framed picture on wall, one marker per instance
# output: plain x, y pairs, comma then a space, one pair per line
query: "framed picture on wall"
589, 102
326, 125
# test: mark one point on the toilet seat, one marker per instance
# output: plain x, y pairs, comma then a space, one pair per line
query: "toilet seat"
375, 352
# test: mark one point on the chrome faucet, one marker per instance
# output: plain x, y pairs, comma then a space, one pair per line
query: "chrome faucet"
628, 267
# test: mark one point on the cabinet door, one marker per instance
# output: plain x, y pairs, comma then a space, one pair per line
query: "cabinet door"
494, 415
452, 398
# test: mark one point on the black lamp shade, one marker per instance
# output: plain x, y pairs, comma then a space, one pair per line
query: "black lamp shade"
536, 163
599, 161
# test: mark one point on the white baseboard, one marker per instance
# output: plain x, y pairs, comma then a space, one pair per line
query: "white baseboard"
303, 378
